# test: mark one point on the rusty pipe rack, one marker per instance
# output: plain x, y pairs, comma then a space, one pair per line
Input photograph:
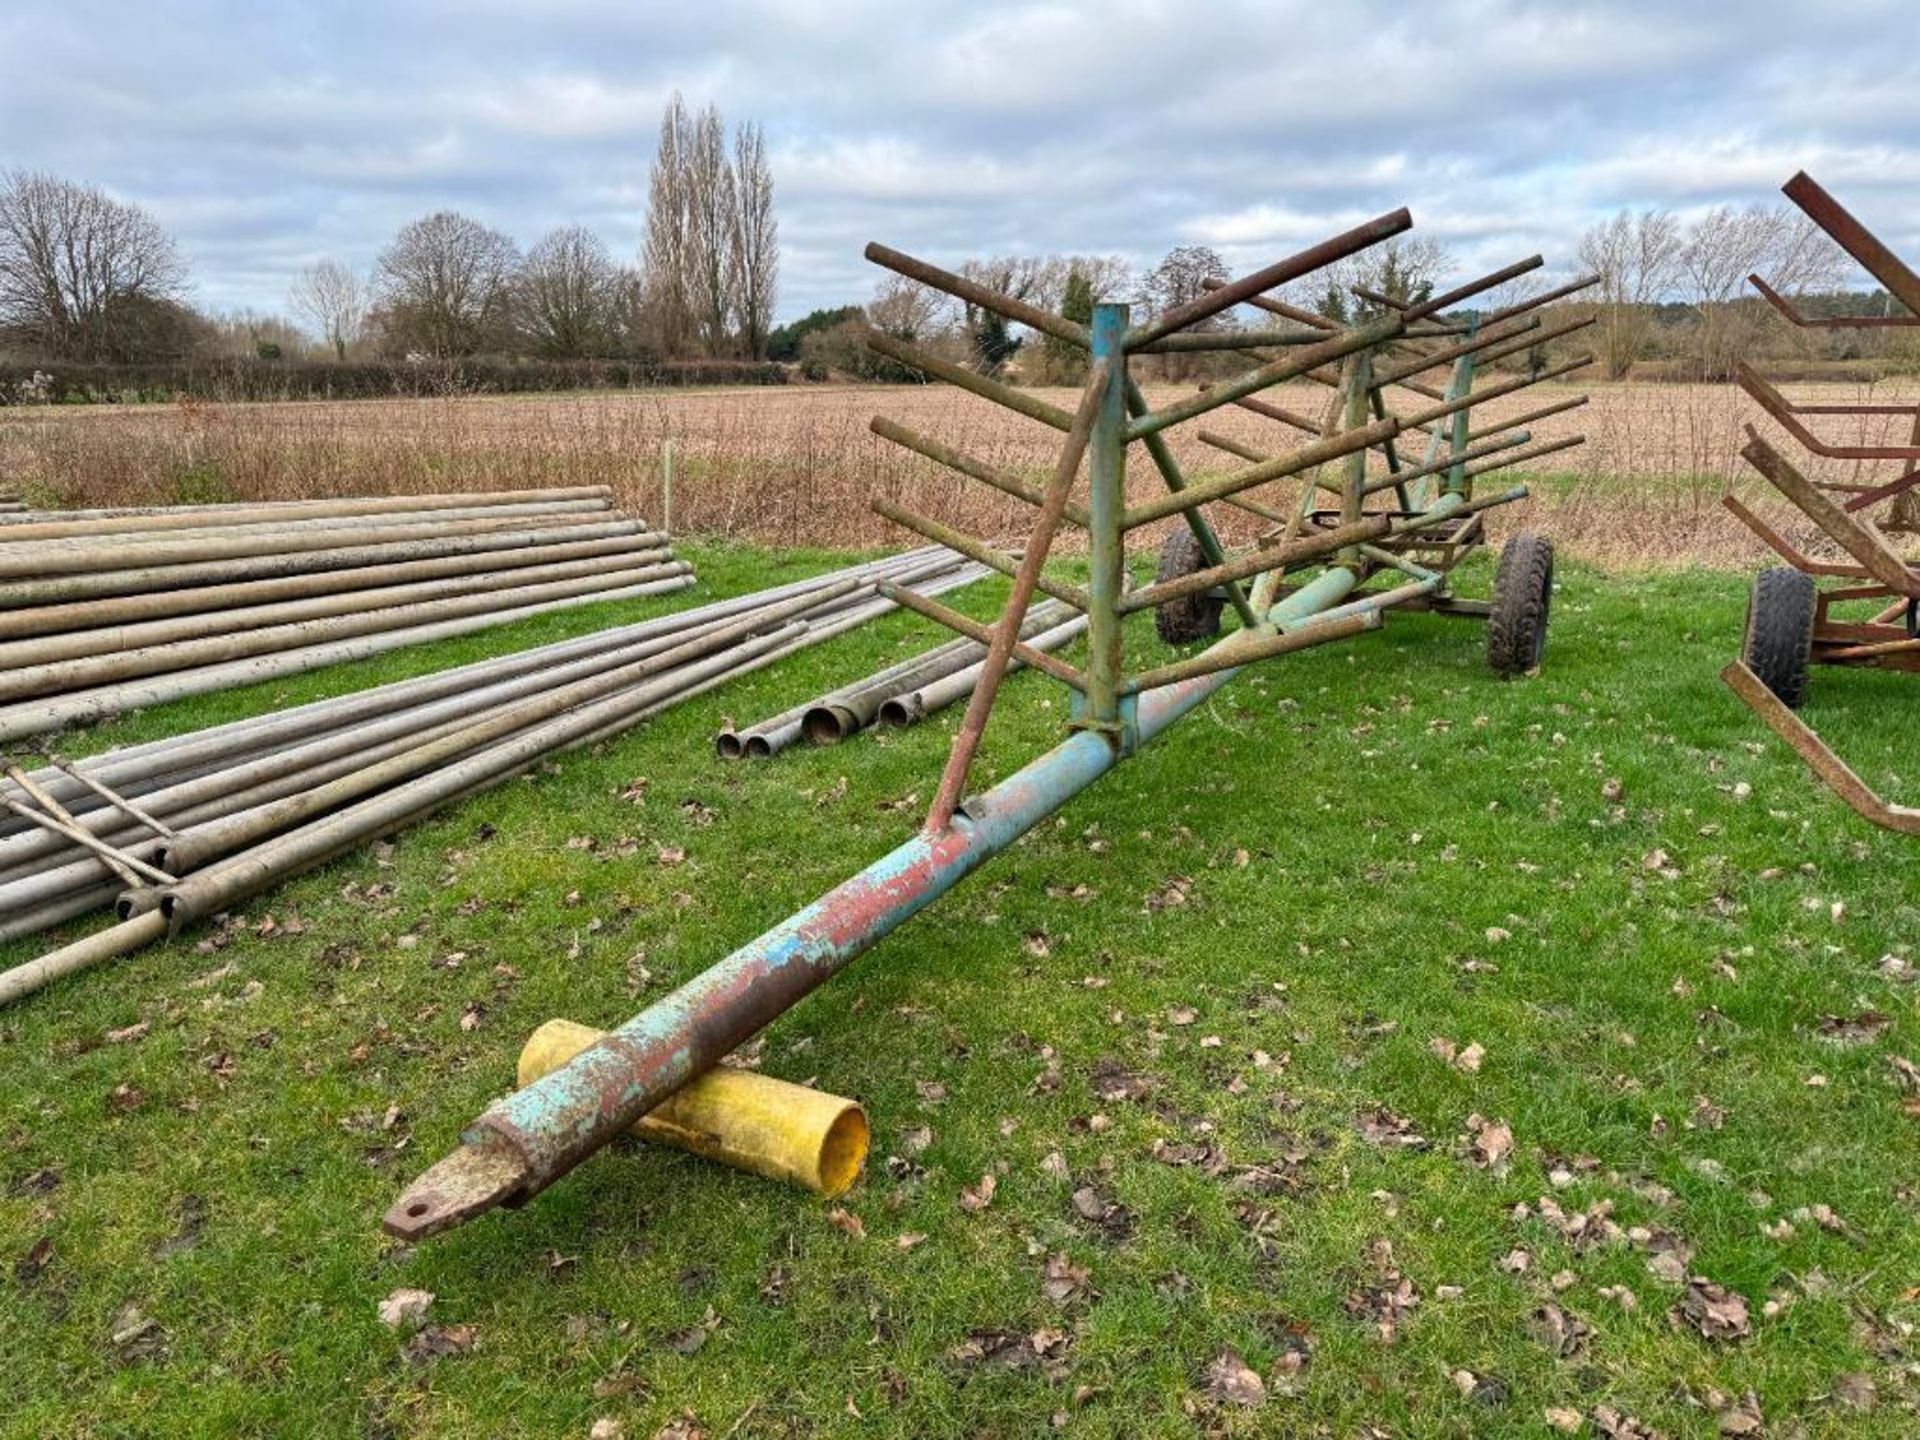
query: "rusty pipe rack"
1791, 622
528, 1140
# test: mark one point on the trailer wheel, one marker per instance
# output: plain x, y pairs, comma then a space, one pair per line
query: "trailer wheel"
1522, 598
1778, 645
1191, 617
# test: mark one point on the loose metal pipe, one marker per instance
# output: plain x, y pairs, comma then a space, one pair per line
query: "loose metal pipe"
136, 581
183, 517
910, 707
36, 716
214, 621
233, 598
66, 675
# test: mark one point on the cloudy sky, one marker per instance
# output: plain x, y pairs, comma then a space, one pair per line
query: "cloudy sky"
268, 135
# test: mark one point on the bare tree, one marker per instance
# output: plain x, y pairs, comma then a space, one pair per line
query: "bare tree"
446, 286
1637, 258
332, 299
1407, 268
990, 335
1726, 245
570, 295
665, 283
83, 276
710, 267
908, 310
755, 241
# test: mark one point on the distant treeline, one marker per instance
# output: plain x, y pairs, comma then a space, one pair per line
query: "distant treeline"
234, 379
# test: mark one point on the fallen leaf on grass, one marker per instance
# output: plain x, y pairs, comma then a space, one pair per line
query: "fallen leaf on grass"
405, 1308
127, 1034
845, 1220
1043, 1349
908, 1240
1853, 1029
28, 1267
607, 1428
1562, 1333
682, 1427
134, 1337
1063, 1281
975, 1198
1713, 1310
1230, 1382
1381, 1126
1742, 1418
1113, 1219
436, 1342
1610, 1424
1562, 1419
1856, 1391
1489, 1142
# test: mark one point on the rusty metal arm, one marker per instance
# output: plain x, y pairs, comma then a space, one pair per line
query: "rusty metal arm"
1305, 458
1778, 543
1559, 407
1854, 238
943, 454
1835, 772
988, 555
1033, 317
1791, 314
1000, 393
1244, 647
1858, 539
1786, 412
1226, 296
1899, 485
974, 630
1301, 362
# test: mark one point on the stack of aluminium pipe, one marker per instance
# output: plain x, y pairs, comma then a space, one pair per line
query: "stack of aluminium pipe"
108, 610
208, 819
900, 695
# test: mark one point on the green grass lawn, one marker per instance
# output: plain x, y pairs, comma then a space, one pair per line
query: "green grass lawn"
1196, 1027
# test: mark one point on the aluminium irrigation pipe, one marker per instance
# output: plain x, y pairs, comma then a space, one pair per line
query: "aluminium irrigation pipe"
349, 527
65, 676
194, 849
182, 517
910, 707
212, 621
146, 926
851, 708
130, 768
60, 589
37, 716
50, 557
24, 879
234, 598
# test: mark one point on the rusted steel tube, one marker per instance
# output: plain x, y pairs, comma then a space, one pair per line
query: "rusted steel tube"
145, 579
910, 707
974, 550
47, 558
940, 453
392, 600
184, 517
232, 598
1520, 422
1018, 401
973, 629
37, 716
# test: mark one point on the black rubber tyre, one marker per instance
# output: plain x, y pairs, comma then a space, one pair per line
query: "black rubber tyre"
1522, 598
1778, 645
1191, 617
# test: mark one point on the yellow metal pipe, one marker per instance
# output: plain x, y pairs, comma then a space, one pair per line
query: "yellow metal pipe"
749, 1121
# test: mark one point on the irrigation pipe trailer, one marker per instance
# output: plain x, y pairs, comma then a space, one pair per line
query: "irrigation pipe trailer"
1405, 522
